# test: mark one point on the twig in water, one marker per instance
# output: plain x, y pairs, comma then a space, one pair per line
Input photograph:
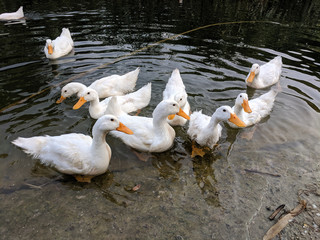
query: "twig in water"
276, 228
264, 173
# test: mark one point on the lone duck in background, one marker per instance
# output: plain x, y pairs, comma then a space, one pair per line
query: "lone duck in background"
59, 47
74, 153
175, 90
206, 130
252, 111
130, 102
13, 16
265, 75
114, 85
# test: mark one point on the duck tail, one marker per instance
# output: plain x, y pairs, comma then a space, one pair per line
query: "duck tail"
65, 32
277, 88
20, 10
114, 107
131, 79
31, 145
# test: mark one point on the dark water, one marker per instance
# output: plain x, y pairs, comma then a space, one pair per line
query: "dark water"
229, 193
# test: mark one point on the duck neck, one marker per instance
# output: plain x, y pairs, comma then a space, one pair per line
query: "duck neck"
100, 150
78, 87
212, 125
161, 126
96, 110
238, 110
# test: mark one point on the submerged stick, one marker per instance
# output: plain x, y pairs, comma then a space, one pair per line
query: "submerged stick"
275, 213
263, 173
276, 228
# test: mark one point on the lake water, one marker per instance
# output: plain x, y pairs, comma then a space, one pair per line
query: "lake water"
227, 194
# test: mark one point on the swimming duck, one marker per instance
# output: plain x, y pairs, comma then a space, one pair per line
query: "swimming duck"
74, 153
59, 47
175, 90
252, 111
206, 130
150, 134
130, 102
114, 85
13, 15
265, 75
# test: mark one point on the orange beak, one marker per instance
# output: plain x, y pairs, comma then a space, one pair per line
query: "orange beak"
246, 106
251, 77
60, 100
79, 103
234, 119
50, 49
124, 128
181, 113
171, 117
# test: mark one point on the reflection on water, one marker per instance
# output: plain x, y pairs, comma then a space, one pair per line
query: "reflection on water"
220, 196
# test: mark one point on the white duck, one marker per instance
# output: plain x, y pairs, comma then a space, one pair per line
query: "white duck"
252, 111
74, 153
114, 85
13, 15
59, 47
206, 130
265, 75
175, 90
130, 102
150, 134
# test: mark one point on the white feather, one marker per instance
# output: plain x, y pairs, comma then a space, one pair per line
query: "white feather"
265, 75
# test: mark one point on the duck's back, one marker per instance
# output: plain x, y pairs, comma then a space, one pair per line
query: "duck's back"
271, 71
12, 16
263, 104
136, 100
142, 128
174, 85
67, 152
116, 85
196, 124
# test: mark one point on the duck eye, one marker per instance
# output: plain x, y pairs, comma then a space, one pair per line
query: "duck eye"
112, 119
65, 90
174, 104
224, 110
88, 93
241, 96
180, 99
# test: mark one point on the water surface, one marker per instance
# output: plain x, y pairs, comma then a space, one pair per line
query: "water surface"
227, 194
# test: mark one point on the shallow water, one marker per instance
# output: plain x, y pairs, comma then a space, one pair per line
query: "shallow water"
227, 194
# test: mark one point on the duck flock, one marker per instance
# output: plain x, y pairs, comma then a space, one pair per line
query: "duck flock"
85, 157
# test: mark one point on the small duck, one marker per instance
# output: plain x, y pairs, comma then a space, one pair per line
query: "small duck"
175, 90
75, 154
59, 47
114, 85
13, 15
251, 112
150, 134
206, 130
265, 75
129, 103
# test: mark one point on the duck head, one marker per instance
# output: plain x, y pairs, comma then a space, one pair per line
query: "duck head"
70, 89
169, 107
255, 69
86, 95
49, 46
181, 99
225, 113
108, 123
242, 100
